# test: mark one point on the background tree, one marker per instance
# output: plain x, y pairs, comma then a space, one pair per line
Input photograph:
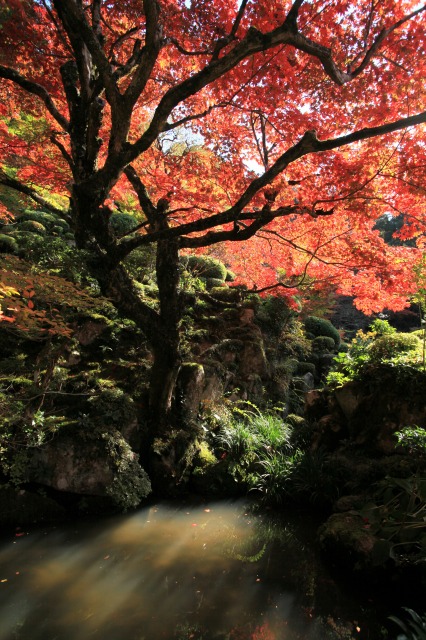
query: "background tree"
272, 134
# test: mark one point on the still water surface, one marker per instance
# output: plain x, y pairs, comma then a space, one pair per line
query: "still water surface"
213, 572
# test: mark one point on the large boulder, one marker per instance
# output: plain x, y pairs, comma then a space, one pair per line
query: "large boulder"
93, 464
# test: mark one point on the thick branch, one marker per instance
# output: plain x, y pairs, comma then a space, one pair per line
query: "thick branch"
62, 149
37, 90
238, 234
31, 193
380, 38
149, 52
370, 132
309, 143
144, 200
77, 27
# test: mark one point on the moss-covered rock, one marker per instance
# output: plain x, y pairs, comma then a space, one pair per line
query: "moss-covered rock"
99, 463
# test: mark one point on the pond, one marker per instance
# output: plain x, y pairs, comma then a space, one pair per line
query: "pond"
207, 572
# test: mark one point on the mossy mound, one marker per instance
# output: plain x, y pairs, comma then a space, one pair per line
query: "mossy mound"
205, 267
8, 244
321, 327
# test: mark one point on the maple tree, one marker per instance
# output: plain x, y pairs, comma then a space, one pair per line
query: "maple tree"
273, 135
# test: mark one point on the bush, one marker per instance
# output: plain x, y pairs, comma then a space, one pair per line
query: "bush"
273, 315
305, 367
53, 253
7, 244
381, 327
323, 344
46, 219
141, 263
230, 276
205, 267
122, 223
212, 283
321, 327
394, 345
33, 226
413, 440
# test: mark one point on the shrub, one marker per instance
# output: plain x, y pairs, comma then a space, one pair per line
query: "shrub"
211, 283
323, 344
413, 439
8, 244
381, 327
394, 345
122, 223
321, 327
46, 219
230, 276
396, 515
141, 263
305, 367
273, 315
205, 267
33, 226
53, 253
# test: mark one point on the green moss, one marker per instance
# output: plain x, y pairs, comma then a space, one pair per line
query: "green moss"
130, 483
205, 457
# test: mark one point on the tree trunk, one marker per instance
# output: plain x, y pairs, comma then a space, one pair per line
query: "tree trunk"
167, 358
169, 445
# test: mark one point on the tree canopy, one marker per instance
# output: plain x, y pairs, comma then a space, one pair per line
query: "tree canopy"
275, 134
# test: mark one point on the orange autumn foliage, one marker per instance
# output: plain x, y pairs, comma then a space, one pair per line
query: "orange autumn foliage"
275, 134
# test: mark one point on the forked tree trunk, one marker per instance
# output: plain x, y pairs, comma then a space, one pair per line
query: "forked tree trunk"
166, 442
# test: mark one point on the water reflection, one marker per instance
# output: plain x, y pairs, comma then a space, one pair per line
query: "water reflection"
185, 574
